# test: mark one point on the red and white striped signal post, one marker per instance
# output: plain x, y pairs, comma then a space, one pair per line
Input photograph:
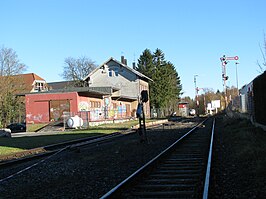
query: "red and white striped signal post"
225, 61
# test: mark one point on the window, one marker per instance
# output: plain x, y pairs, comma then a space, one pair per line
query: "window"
116, 71
95, 104
39, 86
110, 73
113, 71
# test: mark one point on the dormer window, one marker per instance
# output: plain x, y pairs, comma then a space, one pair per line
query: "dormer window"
39, 86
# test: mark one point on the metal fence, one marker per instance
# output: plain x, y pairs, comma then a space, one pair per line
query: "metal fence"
161, 112
97, 116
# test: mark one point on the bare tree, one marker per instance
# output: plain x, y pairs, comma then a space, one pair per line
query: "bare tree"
10, 65
9, 62
77, 69
262, 65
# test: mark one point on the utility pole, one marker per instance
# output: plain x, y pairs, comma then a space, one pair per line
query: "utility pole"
237, 78
196, 95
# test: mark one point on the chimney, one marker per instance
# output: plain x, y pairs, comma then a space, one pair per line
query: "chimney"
134, 65
122, 59
125, 60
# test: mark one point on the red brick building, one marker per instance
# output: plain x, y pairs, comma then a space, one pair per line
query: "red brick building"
44, 107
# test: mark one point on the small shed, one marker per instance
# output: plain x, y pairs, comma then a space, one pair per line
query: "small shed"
183, 108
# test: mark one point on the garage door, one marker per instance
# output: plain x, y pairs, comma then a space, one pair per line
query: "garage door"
57, 108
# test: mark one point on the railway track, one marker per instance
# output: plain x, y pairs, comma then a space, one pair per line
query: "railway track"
21, 165
54, 148
180, 171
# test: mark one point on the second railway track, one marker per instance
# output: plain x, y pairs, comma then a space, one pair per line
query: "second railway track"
178, 172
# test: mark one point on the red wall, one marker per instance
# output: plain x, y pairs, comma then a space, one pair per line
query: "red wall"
37, 105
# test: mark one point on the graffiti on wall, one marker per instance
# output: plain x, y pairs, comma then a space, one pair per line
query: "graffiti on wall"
34, 118
83, 106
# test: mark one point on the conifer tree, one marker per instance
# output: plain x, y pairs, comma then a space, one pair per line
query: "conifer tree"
165, 88
145, 63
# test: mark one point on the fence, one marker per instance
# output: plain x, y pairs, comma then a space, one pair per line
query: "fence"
161, 112
98, 116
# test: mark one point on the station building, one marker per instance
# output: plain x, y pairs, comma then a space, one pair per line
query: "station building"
111, 92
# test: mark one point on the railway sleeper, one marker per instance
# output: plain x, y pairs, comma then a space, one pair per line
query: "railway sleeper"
178, 171
190, 180
180, 164
179, 167
185, 159
164, 194
168, 187
191, 156
175, 176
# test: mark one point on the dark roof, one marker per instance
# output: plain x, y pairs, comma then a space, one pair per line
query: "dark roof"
60, 85
92, 90
125, 98
120, 63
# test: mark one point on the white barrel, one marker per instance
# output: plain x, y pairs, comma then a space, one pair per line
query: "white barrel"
74, 122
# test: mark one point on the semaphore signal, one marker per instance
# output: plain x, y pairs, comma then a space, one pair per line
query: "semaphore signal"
225, 61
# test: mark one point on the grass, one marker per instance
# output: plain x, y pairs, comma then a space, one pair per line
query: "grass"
34, 127
9, 146
18, 144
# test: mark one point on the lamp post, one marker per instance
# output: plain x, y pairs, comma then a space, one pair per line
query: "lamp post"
237, 78
195, 82
196, 95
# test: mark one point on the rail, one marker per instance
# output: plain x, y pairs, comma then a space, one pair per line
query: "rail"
124, 183
208, 171
57, 148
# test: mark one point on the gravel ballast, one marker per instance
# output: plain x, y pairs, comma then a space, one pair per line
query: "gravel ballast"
89, 172
238, 165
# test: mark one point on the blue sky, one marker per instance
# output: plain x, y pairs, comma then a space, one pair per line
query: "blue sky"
192, 34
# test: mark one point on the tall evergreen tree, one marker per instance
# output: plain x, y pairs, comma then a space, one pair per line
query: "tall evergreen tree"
165, 87
145, 66
145, 63
173, 85
159, 86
